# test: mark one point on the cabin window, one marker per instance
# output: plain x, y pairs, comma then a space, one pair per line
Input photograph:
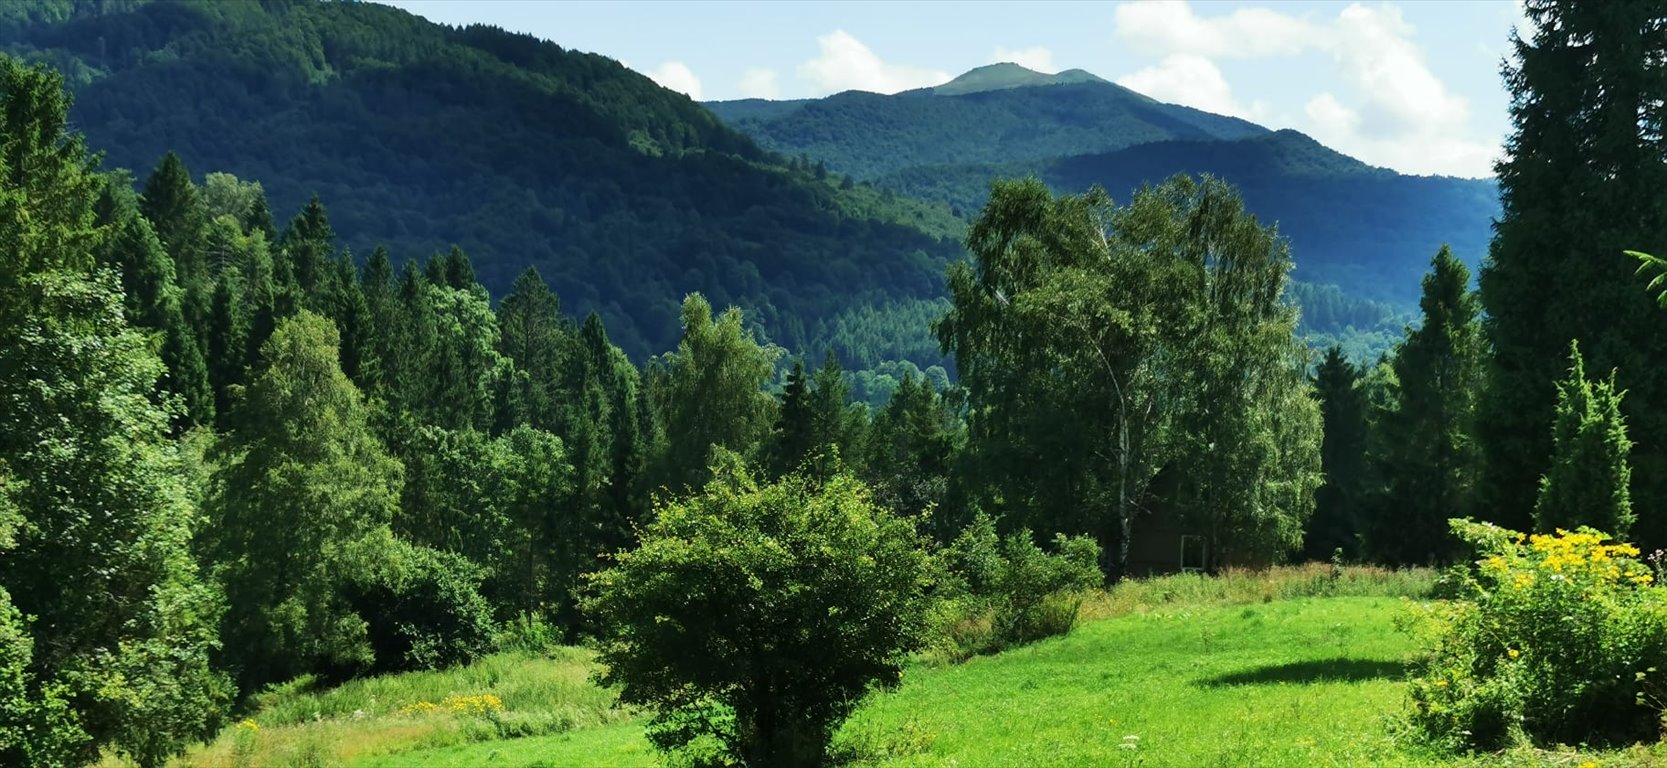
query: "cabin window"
1195, 551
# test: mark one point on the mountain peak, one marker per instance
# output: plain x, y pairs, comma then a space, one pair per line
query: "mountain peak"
1004, 75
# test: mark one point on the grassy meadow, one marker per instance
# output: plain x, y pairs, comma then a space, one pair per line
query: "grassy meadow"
1293, 666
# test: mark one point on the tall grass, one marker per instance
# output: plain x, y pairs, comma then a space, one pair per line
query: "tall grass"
1235, 586
504, 696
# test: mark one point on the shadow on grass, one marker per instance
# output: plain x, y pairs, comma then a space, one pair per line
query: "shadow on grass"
1305, 672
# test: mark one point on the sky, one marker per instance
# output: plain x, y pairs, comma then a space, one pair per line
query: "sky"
1412, 86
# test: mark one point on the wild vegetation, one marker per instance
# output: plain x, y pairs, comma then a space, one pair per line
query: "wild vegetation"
263, 502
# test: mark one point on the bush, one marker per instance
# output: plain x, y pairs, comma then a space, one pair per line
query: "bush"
427, 612
1002, 592
1556, 639
752, 619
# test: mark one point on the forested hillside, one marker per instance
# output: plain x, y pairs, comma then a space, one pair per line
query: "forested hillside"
625, 195
993, 114
1368, 230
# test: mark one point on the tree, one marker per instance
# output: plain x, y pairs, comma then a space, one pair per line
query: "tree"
911, 452
711, 393
300, 510
107, 628
1085, 332
758, 616
308, 245
1055, 332
794, 436
154, 302
1589, 480
1337, 504
170, 202
1584, 166
534, 335
1429, 456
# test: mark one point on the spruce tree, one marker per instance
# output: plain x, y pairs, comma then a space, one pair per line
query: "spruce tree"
1589, 479
1337, 504
170, 202
1428, 453
795, 432
1581, 181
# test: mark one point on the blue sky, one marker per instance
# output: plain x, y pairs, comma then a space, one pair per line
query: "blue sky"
1413, 86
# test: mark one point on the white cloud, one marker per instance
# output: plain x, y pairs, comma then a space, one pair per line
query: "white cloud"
759, 84
846, 64
678, 77
1395, 110
1169, 26
1035, 57
1330, 116
1190, 80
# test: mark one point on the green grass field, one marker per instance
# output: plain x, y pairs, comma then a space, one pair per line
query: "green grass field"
1296, 667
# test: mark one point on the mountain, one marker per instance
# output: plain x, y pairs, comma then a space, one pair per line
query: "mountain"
996, 77
1369, 230
996, 114
625, 195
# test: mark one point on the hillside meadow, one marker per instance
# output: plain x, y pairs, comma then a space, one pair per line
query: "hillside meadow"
1299, 665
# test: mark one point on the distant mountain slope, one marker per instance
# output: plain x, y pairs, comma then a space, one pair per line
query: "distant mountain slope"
624, 194
1369, 230
990, 117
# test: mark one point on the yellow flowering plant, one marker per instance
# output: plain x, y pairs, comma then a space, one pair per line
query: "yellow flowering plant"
1551, 638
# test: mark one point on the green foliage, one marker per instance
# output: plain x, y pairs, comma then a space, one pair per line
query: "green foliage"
1558, 638
115, 649
1589, 480
758, 616
1656, 268
912, 446
427, 612
37, 725
709, 393
1579, 184
299, 510
1099, 345
1006, 591
1426, 456
1336, 524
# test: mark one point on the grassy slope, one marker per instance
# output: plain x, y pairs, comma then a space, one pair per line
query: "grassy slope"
1292, 668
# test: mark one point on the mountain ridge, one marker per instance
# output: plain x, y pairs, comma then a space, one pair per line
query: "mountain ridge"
1365, 228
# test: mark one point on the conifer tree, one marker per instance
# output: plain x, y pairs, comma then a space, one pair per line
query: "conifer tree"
1337, 503
308, 245
795, 432
533, 334
170, 202
1581, 181
1429, 456
1589, 479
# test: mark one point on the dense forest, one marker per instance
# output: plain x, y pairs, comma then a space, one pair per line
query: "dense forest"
625, 195
235, 454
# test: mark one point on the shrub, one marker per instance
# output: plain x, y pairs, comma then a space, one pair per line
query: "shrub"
1556, 638
752, 619
1002, 592
426, 611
